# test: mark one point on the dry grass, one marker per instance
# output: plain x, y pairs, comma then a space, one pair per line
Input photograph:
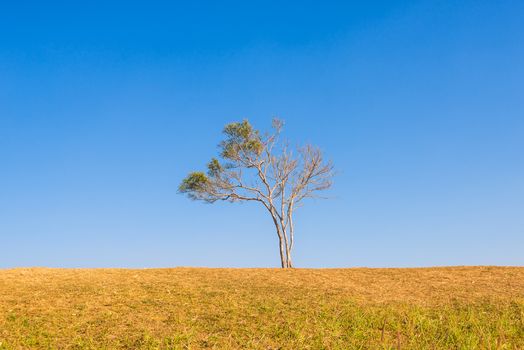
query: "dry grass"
434, 308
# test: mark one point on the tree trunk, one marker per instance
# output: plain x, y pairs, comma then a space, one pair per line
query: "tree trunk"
283, 243
286, 244
289, 263
283, 258
283, 250
291, 237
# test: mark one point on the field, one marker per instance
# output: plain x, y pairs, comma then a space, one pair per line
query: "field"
196, 308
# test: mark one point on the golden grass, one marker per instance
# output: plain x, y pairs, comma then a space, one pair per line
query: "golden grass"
196, 308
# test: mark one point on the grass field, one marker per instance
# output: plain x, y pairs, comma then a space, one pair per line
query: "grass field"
194, 308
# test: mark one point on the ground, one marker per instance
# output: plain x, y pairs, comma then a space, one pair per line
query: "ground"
196, 308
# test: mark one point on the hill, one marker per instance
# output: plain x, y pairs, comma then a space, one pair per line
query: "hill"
196, 308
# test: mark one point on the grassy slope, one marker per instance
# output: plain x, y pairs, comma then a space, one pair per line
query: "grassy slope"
434, 308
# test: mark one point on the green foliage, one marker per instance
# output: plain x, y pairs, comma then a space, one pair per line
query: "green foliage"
242, 141
194, 182
214, 168
243, 145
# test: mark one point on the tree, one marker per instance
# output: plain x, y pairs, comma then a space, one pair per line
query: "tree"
264, 169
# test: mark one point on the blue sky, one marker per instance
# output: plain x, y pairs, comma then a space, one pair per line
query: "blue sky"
104, 108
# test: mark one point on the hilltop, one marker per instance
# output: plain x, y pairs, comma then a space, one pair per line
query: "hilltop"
196, 308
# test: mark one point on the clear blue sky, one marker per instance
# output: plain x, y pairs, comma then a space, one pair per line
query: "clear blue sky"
105, 107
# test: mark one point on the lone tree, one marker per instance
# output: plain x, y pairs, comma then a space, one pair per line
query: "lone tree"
264, 169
